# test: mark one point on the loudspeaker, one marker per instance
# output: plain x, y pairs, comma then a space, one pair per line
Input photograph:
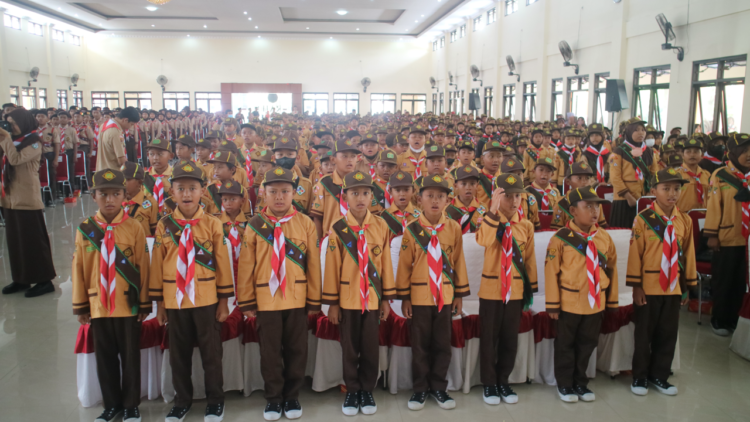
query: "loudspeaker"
474, 102
617, 97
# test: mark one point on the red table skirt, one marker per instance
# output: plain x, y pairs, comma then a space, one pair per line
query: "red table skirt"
151, 335
745, 310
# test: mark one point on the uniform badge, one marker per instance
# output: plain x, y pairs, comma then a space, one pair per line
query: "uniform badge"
417, 213
207, 244
127, 252
146, 204
35, 145
449, 250
553, 193
481, 210
139, 217
532, 200
376, 250
302, 247
300, 190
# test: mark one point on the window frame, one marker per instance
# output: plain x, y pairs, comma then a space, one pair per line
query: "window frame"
78, 98
210, 99
138, 99
720, 107
384, 101
62, 99
600, 100
97, 102
15, 98
442, 102
58, 35
555, 96
316, 102
529, 101
442, 41
509, 101
14, 21
346, 101
474, 113
571, 93
435, 45
413, 102
28, 92
434, 102
653, 116
454, 34
511, 5
476, 23
530, 2
462, 31
75, 40
491, 16
180, 102
42, 99
32, 29
489, 107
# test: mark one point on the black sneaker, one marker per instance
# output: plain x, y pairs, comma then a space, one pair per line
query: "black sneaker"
507, 394
584, 393
351, 404
109, 414
292, 409
367, 403
40, 288
214, 413
639, 387
132, 415
14, 288
491, 394
443, 399
567, 394
416, 402
272, 412
177, 414
663, 386
719, 330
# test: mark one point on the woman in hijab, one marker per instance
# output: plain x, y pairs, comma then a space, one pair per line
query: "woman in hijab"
29, 251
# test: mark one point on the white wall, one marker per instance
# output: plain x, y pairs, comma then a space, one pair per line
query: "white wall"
614, 38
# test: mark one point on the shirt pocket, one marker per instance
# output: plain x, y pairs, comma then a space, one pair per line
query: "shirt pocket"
294, 272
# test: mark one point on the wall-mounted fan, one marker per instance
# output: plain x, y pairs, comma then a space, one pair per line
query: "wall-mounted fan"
450, 80
162, 81
365, 83
475, 72
73, 81
666, 29
512, 68
567, 54
272, 98
33, 74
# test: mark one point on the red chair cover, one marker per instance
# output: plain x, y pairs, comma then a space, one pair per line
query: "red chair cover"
250, 332
327, 330
614, 320
544, 327
400, 332
745, 310
457, 333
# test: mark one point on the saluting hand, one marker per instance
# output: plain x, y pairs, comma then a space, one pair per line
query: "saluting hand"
496, 197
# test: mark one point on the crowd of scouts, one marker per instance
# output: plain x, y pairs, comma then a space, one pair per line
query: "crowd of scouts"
279, 190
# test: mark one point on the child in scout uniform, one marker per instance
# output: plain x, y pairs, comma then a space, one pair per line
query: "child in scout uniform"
191, 281
401, 144
369, 158
240, 175
402, 211
233, 220
716, 148
280, 284
465, 156
156, 180
694, 193
328, 205
568, 154
529, 208
286, 155
357, 292
545, 194
577, 302
184, 147
224, 167
661, 265
387, 165
202, 155
464, 208
262, 162
413, 160
727, 223
491, 157
326, 167
597, 152
50, 150
450, 155
431, 281
110, 291
435, 158
534, 152
509, 280
138, 203
578, 176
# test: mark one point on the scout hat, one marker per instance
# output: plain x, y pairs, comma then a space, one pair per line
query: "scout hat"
466, 172
213, 134
465, 145
434, 181
737, 140
227, 157
357, 179
202, 142
229, 121
673, 160
510, 183
450, 148
351, 134
401, 179
109, 179
158, 144
434, 151
323, 133
382, 130
369, 137
545, 161
493, 146
401, 139
632, 121
388, 156
522, 141
279, 174
585, 193
343, 145
262, 155
285, 142
694, 143
187, 140
667, 175
323, 144
510, 165
579, 168
595, 128
132, 170
231, 188
508, 151
418, 129
572, 132
187, 170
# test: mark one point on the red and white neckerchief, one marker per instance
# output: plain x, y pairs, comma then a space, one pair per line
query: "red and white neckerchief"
107, 271
467, 214
489, 176
371, 169
16, 143
712, 159
571, 153
278, 267
545, 196
234, 241
435, 264
418, 166
186, 263
745, 179
670, 270
249, 167
698, 184
403, 216
158, 188
637, 169
109, 125
343, 205
592, 267
386, 193
599, 161
127, 204
363, 257
61, 129
506, 263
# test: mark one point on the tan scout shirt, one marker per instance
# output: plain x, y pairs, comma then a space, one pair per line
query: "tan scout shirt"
324, 205
724, 213
405, 164
111, 147
688, 196
529, 162
145, 211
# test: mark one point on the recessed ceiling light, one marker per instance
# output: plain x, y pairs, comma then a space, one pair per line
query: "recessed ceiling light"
76, 14
416, 21
249, 19
205, 26
152, 8
188, 35
422, 15
256, 26
258, 36
245, 13
342, 12
357, 29
307, 27
153, 26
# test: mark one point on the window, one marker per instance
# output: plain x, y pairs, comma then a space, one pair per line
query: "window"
452, 101
383, 103
414, 103
529, 101
474, 91
453, 36
528, 2
511, 6
557, 92
62, 99
315, 103
651, 95
718, 89
12, 22
14, 95
600, 100
442, 42
434, 103
345, 103
78, 98
58, 35
578, 96
462, 31
75, 40
28, 98
442, 102
42, 97
35, 28
209, 102
434, 45
103, 99
176, 100
491, 16
477, 23
509, 97
139, 100
489, 95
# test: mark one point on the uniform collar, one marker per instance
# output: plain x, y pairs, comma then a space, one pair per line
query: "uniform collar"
661, 212
351, 221
337, 180
289, 212
139, 197
409, 209
577, 229
423, 221
118, 218
225, 218
178, 214
458, 204
504, 220
536, 186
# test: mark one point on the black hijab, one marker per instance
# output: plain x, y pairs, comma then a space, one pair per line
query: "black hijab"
28, 125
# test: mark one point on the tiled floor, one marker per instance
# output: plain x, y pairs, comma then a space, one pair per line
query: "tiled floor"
38, 370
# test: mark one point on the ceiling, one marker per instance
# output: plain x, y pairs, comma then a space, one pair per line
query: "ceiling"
295, 18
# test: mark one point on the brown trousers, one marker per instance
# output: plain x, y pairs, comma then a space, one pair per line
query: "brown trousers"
360, 347
117, 342
656, 325
188, 327
499, 323
430, 335
577, 337
283, 352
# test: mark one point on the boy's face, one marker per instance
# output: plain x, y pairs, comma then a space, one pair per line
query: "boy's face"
416, 140
436, 165
433, 200
63, 120
667, 193
517, 173
327, 167
54, 120
230, 129
466, 189
381, 138
279, 196
214, 143
509, 203
223, 172
578, 180
440, 140
345, 162
231, 203
385, 170
542, 174
260, 168
183, 151
402, 195
159, 158
585, 213
42, 119
187, 194
369, 149
491, 161
465, 156
399, 148
247, 134
109, 201
202, 153
358, 198
132, 187
571, 141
